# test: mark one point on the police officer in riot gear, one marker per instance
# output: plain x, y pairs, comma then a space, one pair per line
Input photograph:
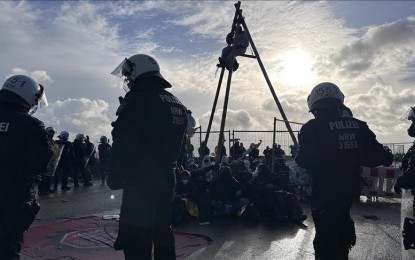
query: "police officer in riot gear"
407, 179
147, 138
332, 148
44, 185
104, 154
22, 139
65, 165
81, 155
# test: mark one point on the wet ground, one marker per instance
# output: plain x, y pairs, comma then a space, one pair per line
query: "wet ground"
377, 228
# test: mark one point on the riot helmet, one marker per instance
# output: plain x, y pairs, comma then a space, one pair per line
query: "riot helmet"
80, 137
136, 67
410, 115
24, 91
103, 139
325, 95
50, 130
64, 135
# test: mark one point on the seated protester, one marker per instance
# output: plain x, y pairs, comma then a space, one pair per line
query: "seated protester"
225, 192
277, 204
247, 165
204, 179
224, 161
185, 194
244, 178
205, 162
283, 178
263, 193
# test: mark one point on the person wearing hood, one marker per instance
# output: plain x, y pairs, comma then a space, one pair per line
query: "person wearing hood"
225, 189
185, 195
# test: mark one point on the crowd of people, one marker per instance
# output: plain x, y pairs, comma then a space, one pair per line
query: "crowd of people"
73, 161
143, 161
242, 185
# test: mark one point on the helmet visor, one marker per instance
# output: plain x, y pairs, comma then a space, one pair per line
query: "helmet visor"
123, 71
41, 100
408, 115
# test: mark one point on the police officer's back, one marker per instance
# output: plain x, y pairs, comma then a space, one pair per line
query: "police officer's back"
25, 150
147, 138
332, 149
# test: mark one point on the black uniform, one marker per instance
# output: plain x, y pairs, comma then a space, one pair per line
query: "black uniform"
65, 165
332, 149
104, 153
147, 138
81, 154
25, 151
407, 180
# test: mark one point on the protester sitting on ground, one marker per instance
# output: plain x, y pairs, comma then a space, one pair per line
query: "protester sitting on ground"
247, 165
185, 197
225, 191
204, 179
224, 162
271, 202
205, 162
244, 177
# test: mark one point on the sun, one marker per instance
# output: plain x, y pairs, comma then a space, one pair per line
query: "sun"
295, 68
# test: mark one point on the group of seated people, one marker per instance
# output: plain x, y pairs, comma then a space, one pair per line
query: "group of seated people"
242, 188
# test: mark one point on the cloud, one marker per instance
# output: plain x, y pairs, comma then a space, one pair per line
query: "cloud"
385, 48
381, 107
73, 46
78, 116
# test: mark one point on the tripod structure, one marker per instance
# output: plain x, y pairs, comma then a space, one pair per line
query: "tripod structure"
239, 20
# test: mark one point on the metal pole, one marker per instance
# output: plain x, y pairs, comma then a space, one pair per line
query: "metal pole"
242, 21
273, 144
214, 106
229, 142
237, 6
228, 87
225, 109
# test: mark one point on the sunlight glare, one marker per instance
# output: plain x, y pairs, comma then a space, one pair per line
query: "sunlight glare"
296, 68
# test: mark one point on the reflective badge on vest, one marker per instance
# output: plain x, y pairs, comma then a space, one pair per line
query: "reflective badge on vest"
4, 126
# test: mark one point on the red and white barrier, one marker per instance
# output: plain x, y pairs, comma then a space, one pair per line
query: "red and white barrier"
381, 181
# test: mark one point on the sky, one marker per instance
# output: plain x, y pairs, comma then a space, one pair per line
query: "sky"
367, 48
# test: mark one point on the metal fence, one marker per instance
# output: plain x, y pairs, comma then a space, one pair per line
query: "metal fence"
282, 137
